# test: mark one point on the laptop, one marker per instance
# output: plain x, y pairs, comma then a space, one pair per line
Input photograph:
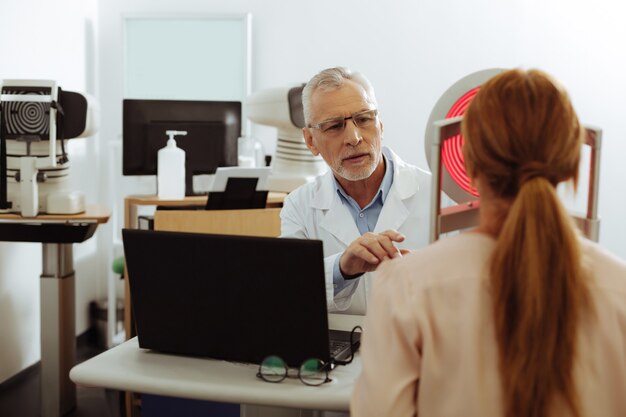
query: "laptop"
237, 298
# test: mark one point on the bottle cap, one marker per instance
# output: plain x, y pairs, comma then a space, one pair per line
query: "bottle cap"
172, 133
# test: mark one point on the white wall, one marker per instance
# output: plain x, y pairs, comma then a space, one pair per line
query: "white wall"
47, 40
412, 52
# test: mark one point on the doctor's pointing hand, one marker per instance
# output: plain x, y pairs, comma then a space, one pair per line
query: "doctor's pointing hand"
368, 251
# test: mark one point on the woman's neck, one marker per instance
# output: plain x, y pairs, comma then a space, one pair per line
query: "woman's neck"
493, 212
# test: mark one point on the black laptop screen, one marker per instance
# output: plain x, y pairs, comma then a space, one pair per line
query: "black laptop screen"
229, 297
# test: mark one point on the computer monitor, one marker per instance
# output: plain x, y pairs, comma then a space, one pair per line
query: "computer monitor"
212, 127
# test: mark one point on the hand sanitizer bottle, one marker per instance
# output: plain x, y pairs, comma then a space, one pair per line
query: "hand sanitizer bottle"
171, 169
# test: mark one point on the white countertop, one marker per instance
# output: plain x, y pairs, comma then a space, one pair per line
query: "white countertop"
128, 368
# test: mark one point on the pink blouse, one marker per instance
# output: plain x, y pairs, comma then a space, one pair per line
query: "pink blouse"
429, 347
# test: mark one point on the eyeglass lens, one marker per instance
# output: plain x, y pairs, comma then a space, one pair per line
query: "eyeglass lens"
273, 369
313, 372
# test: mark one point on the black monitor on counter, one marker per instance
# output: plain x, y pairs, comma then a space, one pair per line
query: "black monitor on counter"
213, 128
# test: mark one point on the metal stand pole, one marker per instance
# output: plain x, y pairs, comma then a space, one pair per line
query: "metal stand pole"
58, 330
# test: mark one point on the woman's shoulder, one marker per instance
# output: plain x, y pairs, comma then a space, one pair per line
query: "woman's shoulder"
607, 268
461, 256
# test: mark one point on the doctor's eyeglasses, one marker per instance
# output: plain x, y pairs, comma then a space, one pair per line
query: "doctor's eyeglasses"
334, 127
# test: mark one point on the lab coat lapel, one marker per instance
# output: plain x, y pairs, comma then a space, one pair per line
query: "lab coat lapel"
336, 218
395, 212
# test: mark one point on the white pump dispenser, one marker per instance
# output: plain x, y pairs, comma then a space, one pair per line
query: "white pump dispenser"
171, 169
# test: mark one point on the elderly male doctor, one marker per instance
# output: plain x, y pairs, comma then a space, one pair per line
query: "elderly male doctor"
370, 206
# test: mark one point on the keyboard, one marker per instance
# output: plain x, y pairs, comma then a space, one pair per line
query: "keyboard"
337, 346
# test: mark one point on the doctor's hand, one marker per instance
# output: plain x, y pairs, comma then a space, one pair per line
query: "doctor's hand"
368, 251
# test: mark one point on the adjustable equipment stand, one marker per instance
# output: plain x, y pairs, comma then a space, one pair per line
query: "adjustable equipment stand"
57, 233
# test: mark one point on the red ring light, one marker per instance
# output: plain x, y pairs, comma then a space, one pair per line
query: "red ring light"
453, 103
452, 154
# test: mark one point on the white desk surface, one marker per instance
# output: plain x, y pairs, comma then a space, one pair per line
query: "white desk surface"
128, 368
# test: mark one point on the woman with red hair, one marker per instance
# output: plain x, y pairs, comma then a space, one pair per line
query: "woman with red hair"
520, 317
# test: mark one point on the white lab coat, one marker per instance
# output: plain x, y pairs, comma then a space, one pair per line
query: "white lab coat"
315, 211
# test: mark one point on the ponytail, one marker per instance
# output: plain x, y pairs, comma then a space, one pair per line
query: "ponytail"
538, 293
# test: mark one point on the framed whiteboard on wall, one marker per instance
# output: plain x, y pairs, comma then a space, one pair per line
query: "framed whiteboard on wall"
199, 57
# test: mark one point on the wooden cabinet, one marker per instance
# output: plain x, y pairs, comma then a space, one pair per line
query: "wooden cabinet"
255, 222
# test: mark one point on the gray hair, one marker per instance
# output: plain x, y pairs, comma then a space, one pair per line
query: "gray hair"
332, 79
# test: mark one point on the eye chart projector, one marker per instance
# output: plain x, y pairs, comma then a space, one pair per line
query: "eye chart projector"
36, 118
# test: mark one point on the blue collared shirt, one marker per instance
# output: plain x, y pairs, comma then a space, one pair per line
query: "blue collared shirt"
365, 218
